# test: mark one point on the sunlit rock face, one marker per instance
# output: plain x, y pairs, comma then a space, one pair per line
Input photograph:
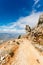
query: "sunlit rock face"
40, 19
36, 34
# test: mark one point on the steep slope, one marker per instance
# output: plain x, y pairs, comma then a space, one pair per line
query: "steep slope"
20, 52
26, 50
28, 55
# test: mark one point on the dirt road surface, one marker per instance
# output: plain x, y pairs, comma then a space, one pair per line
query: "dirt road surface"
27, 55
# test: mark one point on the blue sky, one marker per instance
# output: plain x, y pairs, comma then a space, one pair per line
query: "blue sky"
11, 10
15, 12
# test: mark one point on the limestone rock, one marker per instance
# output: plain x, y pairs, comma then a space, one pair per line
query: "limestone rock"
40, 19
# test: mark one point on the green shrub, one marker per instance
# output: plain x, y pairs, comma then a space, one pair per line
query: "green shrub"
19, 36
11, 54
18, 43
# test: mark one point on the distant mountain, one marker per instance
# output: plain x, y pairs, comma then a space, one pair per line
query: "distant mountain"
7, 36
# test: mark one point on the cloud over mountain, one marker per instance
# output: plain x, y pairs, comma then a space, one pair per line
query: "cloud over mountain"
19, 25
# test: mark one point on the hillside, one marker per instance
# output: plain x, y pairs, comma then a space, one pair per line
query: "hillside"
26, 50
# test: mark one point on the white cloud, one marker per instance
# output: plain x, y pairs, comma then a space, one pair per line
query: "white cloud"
19, 25
36, 1
36, 5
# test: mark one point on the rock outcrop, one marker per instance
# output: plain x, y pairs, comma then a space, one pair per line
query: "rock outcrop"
40, 20
36, 34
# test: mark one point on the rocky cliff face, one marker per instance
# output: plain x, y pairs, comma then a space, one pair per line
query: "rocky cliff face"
40, 20
36, 34
38, 31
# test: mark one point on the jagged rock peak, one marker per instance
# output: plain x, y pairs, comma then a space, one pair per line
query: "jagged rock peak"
40, 19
